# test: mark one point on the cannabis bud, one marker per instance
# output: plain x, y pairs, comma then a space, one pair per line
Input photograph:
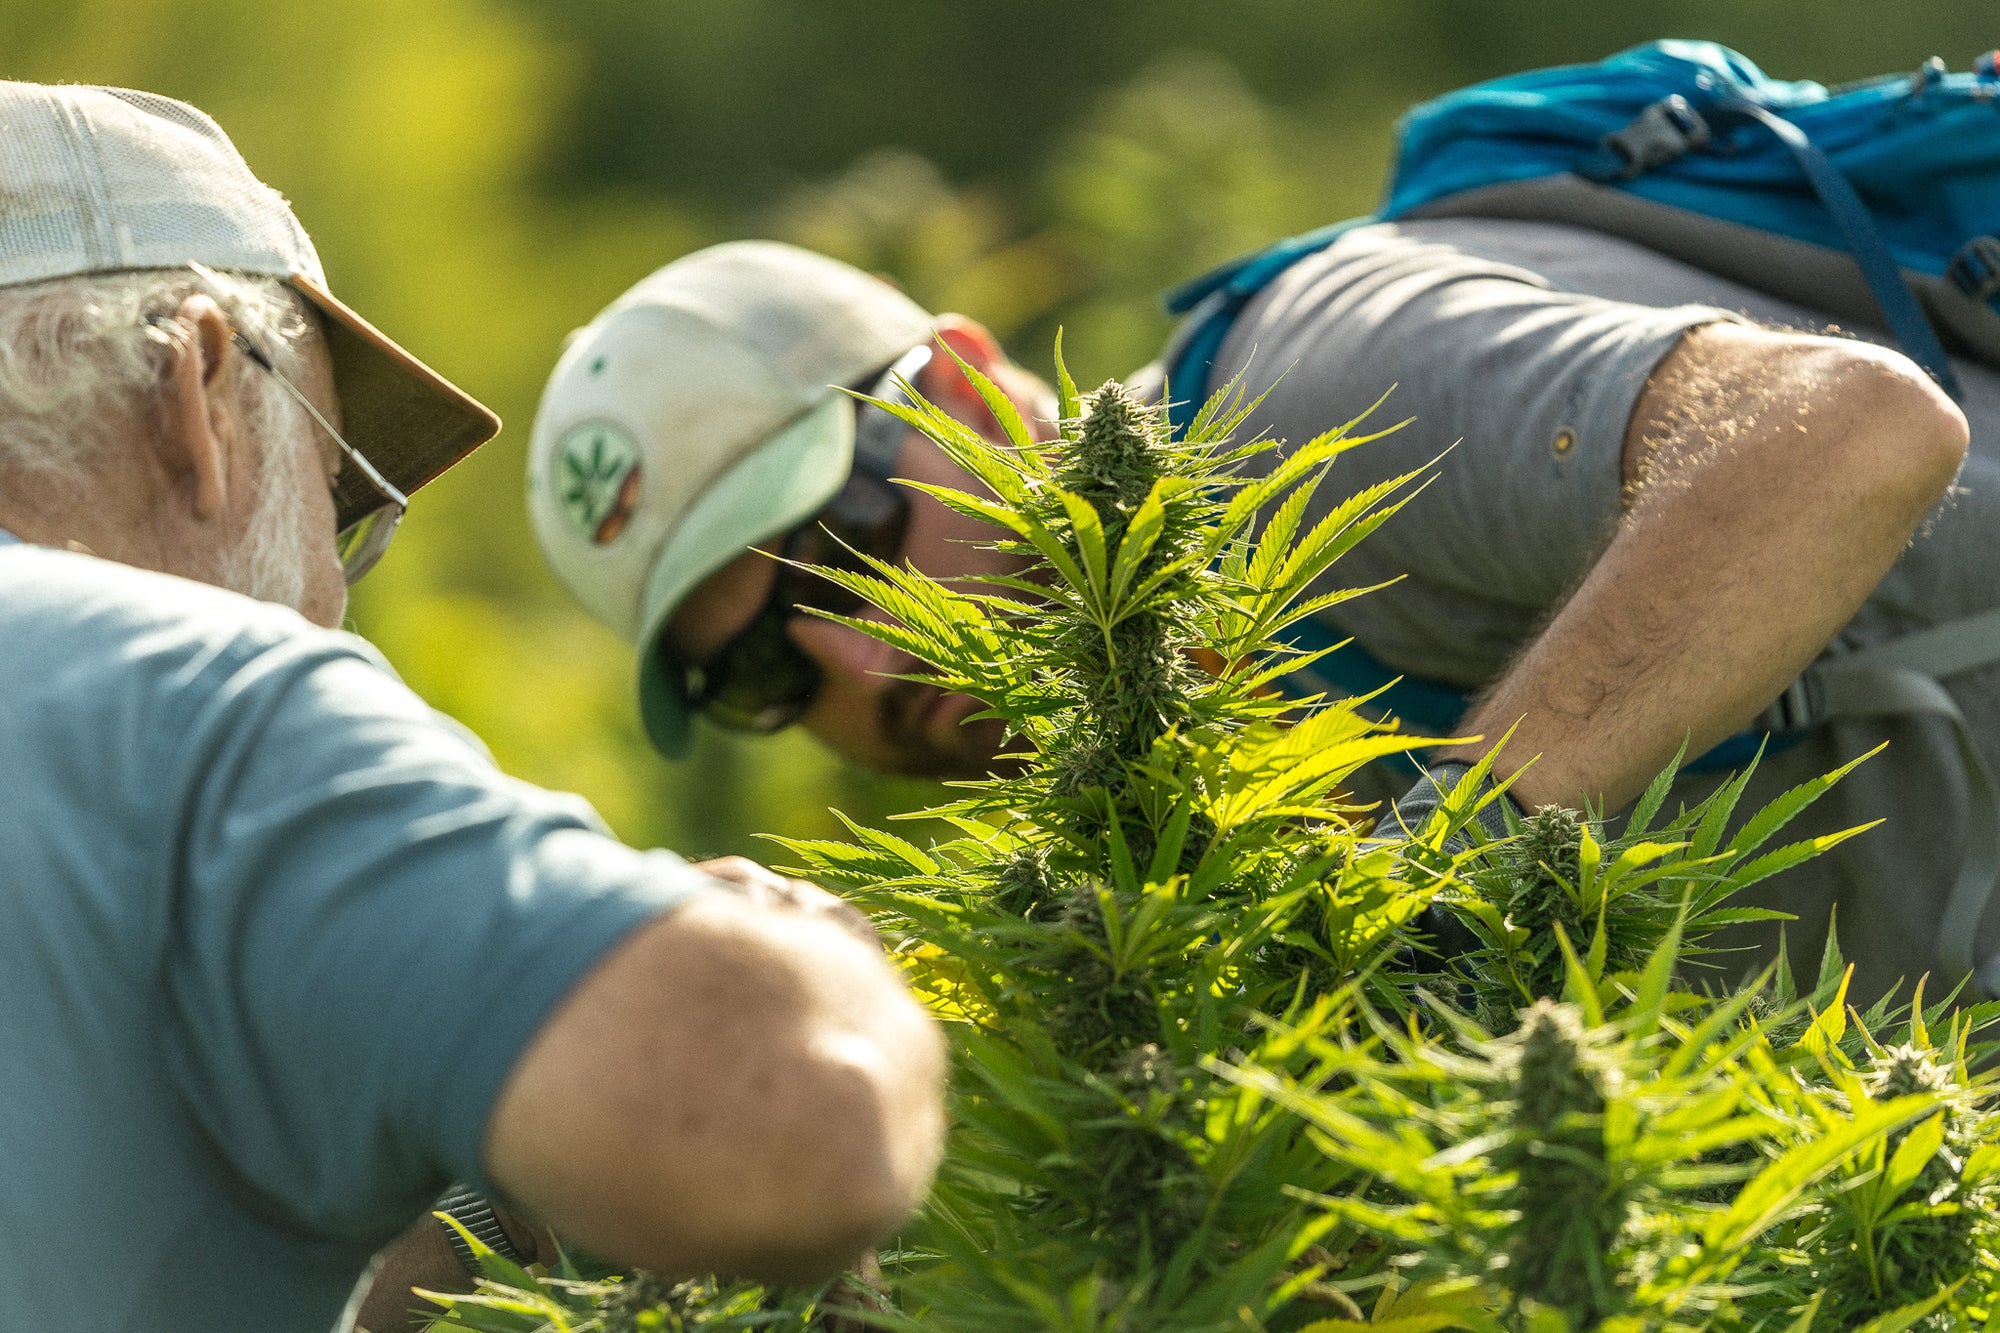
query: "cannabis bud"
1897, 1071
1569, 1208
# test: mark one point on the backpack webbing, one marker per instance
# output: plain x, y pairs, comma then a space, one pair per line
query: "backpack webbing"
1902, 677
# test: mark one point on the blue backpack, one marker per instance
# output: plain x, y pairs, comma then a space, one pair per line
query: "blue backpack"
1877, 202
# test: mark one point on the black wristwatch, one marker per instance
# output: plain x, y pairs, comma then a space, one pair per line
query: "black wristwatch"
474, 1211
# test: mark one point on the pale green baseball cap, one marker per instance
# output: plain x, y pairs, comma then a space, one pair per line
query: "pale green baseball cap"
698, 415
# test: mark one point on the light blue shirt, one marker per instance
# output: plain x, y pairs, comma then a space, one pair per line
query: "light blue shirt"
272, 934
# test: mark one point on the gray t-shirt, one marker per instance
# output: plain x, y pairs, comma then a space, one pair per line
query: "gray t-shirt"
272, 934
1521, 349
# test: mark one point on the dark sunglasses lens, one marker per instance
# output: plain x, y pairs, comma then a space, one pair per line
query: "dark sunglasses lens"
361, 543
867, 517
760, 681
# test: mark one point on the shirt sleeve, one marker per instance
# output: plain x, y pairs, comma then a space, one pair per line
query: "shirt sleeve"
368, 923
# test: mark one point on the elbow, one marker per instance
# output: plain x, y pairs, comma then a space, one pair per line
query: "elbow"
821, 1129
1900, 436
858, 1163
751, 1093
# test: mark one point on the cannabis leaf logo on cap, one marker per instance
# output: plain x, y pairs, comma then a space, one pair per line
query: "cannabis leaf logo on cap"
597, 476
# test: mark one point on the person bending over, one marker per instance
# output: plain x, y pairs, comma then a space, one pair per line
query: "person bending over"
1661, 497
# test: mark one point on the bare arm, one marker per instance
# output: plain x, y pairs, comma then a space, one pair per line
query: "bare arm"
421, 1257
739, 1088
1771, 480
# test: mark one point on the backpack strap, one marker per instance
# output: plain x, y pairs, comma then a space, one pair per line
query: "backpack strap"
1672, 127
1211, 301
1901, 677
1665, 131
1428, 707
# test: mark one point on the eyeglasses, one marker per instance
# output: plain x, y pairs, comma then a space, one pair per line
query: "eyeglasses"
760, 681
361, 543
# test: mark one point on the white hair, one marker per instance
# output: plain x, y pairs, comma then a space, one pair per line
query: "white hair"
78, 353
82, 359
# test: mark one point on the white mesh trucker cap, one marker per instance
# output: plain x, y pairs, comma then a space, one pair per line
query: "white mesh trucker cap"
98, 180
698, 415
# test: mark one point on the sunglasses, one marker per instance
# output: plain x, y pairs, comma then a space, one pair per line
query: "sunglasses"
760, 681
361, 543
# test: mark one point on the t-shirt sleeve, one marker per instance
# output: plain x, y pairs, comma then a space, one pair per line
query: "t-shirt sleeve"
368, 924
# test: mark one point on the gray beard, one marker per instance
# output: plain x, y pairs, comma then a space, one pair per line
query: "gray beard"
265, 562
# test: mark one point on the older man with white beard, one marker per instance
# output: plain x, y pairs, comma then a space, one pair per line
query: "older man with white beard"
282, 953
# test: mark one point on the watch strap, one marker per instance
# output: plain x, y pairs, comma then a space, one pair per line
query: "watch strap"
474, 1211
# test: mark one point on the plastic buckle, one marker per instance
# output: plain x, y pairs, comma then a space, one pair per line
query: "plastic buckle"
1666, 130
1795, 709
1975, 269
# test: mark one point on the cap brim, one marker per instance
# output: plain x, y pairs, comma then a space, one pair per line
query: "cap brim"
664, 710
405, 418
772, 489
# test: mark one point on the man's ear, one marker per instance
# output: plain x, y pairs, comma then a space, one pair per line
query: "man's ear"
199, 418
944, 383
970, 340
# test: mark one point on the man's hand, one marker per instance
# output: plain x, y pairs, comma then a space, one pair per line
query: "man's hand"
417, 1258
768, 889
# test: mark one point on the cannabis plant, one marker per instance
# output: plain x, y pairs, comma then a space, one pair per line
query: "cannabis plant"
1558, 878
1168, 864
1172, 859
1586, 1171
1209, 1074
1910, 1218
1637, 1157
579, 1296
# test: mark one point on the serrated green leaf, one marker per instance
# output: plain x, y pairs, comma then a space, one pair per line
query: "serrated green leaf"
1913, 1154
1763, 1200
1066, 395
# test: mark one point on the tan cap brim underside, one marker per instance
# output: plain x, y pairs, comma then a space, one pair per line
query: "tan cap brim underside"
405, 418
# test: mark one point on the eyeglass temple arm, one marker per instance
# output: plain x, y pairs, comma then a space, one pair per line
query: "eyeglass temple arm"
355, 456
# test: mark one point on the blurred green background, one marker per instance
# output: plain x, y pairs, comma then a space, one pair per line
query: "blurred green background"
482, 175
